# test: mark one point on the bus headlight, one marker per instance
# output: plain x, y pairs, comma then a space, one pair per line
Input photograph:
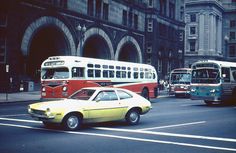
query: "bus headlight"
43, 89
64, 89
213, 90
193, 90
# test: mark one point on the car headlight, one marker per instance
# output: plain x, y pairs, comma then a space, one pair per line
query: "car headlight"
43, 89
29, 109
64, 89
48, 112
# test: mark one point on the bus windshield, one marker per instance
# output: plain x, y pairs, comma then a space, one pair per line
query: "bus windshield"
180, 78
209, 76
55, 73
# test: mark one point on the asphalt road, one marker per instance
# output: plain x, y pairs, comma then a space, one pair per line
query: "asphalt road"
174, 125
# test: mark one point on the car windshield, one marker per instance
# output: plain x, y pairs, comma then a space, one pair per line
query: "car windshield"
55, 73
180, 78
83, 94
209, 76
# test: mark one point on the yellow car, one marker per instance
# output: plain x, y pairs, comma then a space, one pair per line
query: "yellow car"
91, 105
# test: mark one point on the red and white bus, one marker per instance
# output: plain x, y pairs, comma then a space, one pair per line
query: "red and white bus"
63, 75
179, 83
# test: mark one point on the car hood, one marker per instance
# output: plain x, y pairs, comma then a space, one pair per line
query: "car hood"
63, 104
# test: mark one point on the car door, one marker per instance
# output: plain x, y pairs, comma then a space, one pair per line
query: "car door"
106, 107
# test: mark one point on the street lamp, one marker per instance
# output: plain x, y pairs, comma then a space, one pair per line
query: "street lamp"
81, 35
226, 38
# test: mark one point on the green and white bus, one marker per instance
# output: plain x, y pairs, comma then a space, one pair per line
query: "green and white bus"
213, 81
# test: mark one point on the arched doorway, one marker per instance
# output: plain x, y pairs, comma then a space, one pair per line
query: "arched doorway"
96, 47
47, 41
128, 53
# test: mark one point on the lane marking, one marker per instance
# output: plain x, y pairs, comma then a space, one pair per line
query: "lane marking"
141, 132
126, 138
20, 120
175, 125
14, 115
169, 134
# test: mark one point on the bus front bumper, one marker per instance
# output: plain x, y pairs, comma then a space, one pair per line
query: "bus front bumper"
206, 98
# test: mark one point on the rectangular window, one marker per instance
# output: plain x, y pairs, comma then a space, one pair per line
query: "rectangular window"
77, 72
192, 45
135, 75
232, 23
226, 74
192, 30
233, 71
193, 18
97, 73
90, 9
232, 51
105, 11
3, 19
130, 19
150, 3
105, 73
232, 35
2, 50
135, 21
98, 8
90, 73
124, 18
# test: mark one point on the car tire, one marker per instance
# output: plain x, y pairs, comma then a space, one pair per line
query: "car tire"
133, 117
72, 122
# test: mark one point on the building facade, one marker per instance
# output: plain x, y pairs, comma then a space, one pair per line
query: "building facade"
127, 30
210, 30
229, 29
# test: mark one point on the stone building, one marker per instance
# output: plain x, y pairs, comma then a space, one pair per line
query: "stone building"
142, 31
210, 30
229, 30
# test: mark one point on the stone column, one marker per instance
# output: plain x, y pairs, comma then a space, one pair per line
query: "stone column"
212, 32
219, 36
201, 32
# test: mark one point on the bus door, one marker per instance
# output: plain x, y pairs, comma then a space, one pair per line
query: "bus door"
226, 84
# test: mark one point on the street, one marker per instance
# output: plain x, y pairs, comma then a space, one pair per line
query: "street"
177, 125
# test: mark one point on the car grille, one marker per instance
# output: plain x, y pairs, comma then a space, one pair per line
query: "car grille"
38, 112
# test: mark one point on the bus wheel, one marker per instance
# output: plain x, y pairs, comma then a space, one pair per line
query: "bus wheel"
209, 103
72, 122
145, 93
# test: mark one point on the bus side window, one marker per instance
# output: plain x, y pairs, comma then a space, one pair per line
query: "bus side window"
77, 72
233, 70
97, 73
135, 75
90, 73
105, 73
226, 74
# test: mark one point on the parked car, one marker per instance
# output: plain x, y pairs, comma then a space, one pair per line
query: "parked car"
91, 105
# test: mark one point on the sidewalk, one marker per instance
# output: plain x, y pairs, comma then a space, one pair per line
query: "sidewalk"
20, 96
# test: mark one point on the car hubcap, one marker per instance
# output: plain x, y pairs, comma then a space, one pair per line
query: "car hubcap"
72, 122
133, 117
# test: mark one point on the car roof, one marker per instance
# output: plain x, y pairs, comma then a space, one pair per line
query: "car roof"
105, 88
